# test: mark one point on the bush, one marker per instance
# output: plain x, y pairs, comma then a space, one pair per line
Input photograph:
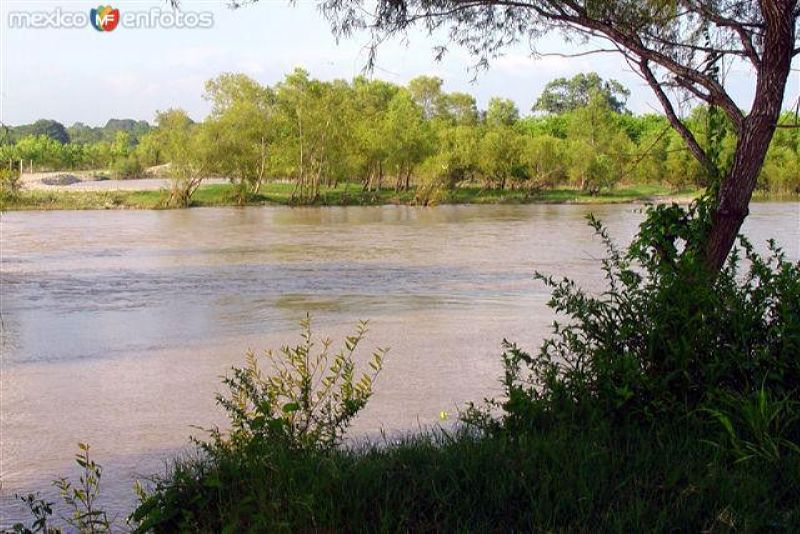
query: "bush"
306, 399
80, 499
666, 337
126, 167
297, 408
10, 184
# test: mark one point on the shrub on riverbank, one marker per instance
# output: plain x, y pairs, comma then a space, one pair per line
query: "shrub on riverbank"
583, 475
9, 185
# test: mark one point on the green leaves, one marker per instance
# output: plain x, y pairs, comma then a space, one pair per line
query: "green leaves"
290, 407
666, 340
305, 396
81, 498
562, 95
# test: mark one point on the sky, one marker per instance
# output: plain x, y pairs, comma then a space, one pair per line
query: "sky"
80, 74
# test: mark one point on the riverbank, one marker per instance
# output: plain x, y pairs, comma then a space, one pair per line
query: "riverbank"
558, 477
342, 195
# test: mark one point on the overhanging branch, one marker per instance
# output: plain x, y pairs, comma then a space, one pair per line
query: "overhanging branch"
691, 142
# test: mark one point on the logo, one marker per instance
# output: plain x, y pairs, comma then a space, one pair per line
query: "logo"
104, 18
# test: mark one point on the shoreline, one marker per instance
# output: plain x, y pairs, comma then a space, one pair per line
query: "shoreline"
280, 194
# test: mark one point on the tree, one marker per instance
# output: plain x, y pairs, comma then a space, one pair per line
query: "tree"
241, 124
427, 93
312, 116
562, 95
123, 161
500, 155
597, 134
149, 150
461, 108
406, 131
671, 44
186, 146
501, 112
544, 157
52, 129
456, 160
369, 144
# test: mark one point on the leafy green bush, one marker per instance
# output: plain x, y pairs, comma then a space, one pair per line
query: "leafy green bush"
299, 405
126, 167
10, 184
81, 499
306, 398
666, 337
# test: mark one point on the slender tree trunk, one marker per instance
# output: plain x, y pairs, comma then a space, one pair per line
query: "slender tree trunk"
736, 189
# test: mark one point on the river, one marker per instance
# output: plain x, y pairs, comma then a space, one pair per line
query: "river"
116, 325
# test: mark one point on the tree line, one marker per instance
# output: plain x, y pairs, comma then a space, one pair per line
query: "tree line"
319, 134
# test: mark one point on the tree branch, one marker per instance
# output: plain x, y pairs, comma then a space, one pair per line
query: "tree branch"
725, 22
694, 147
632, 42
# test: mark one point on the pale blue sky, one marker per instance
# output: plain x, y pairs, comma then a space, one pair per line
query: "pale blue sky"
83, 75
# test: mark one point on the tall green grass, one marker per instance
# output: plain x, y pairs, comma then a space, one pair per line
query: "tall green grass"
587, 476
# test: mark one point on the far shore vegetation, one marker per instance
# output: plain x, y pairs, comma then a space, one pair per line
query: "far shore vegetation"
366, 142
280, 194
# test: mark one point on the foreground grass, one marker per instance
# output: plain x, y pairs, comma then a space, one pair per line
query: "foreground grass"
342, 195
566, 477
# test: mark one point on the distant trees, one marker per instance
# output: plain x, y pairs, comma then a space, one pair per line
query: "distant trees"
319, 134
80, 133
52, 129
135, 129
43, 127
48, 145
242, 127
681, 45
562, 95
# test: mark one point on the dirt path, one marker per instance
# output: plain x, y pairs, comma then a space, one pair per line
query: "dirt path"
89, 181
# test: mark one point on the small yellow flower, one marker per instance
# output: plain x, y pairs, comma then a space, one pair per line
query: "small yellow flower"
443, 415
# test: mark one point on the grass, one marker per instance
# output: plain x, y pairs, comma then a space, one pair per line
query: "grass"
563, 477
342, 195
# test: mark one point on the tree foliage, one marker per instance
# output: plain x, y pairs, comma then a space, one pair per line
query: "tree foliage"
678, 47
372, 135
562, 94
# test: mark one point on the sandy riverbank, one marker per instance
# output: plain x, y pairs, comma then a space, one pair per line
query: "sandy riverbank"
93, 181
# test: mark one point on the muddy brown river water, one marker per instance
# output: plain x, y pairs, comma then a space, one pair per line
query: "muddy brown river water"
116, 325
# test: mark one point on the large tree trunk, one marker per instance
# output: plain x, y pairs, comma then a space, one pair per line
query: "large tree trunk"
737, 187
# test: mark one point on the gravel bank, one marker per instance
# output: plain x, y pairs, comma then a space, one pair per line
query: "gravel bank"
67, 181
